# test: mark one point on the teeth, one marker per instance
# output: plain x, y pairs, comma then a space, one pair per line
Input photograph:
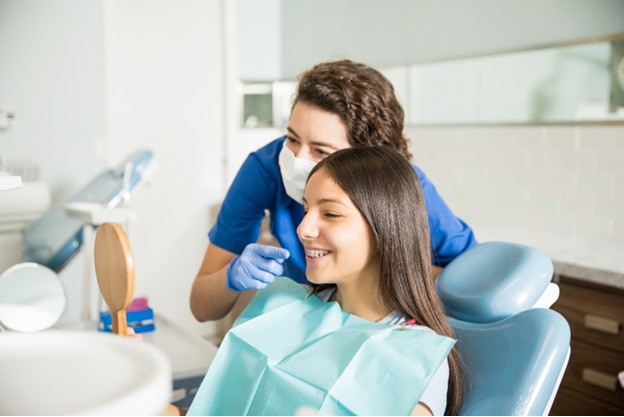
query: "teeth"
315, 253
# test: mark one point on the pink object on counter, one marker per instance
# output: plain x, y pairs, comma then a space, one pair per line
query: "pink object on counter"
138, 304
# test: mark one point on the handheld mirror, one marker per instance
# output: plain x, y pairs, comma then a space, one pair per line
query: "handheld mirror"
114, 267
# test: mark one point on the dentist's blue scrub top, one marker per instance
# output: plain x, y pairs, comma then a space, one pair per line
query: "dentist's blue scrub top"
258, 187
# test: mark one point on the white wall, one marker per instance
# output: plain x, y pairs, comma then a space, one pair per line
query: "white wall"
398, 32
52, 77
165, 90
259, 33
91, 81
558, 188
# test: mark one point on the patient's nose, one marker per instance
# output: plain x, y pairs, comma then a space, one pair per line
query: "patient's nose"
307, 229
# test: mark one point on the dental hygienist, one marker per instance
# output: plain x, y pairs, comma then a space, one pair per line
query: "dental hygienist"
338, 104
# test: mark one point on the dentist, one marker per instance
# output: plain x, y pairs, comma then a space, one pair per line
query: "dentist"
338, 105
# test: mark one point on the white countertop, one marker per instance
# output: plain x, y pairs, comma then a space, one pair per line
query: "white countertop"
590, 260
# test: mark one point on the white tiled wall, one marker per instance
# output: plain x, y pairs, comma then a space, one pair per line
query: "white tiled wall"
566, 182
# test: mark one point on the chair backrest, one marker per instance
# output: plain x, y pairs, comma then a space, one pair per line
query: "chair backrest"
514, 354
55, 238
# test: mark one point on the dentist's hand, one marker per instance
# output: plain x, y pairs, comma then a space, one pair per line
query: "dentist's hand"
256, 267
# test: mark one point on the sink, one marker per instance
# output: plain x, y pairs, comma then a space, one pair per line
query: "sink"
58, 372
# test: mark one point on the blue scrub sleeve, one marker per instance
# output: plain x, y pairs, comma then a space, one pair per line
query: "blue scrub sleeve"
240, 216
450, 236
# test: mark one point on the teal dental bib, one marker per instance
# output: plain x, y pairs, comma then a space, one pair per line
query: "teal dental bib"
286, 352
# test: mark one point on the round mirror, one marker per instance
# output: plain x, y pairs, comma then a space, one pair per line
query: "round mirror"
31, 298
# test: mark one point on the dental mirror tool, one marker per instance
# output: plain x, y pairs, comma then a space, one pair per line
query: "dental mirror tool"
114, 267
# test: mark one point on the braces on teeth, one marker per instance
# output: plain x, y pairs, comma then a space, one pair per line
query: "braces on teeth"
316, 253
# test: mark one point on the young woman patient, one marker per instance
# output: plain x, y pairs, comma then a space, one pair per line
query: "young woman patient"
368, 255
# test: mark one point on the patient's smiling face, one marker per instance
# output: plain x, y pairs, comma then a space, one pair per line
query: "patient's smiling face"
335, 235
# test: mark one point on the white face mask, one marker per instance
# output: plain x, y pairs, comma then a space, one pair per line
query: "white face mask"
294, 173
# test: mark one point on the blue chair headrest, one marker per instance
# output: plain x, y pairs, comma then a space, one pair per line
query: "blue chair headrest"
493, 281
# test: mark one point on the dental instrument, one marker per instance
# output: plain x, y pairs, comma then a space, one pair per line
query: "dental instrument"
59, 234
55, 238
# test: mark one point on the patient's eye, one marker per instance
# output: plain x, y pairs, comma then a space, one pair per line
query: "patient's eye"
332, 214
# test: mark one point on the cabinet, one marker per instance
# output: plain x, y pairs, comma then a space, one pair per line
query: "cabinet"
595, 314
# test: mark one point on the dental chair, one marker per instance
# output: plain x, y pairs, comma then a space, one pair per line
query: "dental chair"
514, 349
55, 238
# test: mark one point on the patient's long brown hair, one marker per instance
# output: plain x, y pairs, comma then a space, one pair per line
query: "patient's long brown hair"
385, 188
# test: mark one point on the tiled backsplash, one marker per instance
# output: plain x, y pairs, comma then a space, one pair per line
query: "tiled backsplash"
563, 181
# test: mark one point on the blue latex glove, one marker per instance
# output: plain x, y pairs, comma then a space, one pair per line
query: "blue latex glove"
256, 267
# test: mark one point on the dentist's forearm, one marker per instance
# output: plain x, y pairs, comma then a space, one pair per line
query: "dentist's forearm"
436, 271
210, 297
223, 276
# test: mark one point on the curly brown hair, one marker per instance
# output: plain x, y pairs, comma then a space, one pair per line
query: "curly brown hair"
362, 97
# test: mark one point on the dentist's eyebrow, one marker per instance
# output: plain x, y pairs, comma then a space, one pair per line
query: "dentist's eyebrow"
315, 143
291, 130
